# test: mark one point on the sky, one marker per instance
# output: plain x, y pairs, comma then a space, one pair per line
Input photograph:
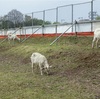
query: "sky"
28, 6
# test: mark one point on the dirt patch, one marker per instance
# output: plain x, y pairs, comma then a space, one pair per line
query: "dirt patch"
84, 62
3, 48
25, 60
60, 54
87, 72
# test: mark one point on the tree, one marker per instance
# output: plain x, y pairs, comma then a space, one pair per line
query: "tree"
98, 17
15, 16
4, 23
16, 19
27, 18
56, 23
35, 21
47, 22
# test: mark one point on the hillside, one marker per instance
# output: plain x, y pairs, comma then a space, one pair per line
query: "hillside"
75, 72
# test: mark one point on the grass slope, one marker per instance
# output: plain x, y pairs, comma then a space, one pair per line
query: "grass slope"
75, 72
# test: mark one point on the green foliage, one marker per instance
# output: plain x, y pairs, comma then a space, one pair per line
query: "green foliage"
28, 22
35, 21
56, 23
47, 22
98, 18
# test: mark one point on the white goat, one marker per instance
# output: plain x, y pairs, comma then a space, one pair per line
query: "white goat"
37, 58
12, 36
96, 37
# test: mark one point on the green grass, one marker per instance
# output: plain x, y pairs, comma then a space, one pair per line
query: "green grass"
75, 72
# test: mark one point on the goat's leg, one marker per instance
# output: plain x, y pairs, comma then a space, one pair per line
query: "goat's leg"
47, 71
18, 38
93, 42
97, 43
40, 69
9, 40
32, 67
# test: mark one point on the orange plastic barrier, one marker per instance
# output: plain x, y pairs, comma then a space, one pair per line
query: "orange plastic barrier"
54, 34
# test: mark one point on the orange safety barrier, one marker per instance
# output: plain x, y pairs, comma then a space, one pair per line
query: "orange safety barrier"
54, 34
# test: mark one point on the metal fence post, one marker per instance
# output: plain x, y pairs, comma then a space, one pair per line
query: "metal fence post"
23, 24
32, 18
43, 22
32, 21
1, 22
56, 19
20, 33
7, 22
91, 15
72, 17
76, 28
